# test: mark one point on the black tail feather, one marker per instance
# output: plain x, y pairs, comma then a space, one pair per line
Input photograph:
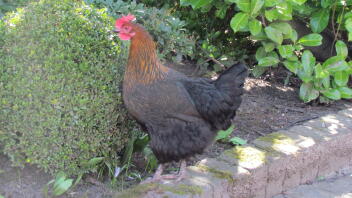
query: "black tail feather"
231, 80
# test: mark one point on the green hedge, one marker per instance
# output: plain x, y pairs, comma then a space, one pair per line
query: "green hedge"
60, 104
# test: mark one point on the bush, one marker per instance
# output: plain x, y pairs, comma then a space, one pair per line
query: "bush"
173, 40
60, 106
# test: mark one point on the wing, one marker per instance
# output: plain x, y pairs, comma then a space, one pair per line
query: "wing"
214, 106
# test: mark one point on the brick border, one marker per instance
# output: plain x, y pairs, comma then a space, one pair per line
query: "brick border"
268, 166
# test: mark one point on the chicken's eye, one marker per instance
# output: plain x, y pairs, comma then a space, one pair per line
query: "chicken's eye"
126, 28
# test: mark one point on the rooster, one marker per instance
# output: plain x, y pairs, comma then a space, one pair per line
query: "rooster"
181, 114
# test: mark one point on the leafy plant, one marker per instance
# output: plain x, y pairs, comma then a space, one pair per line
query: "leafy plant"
216, 45
269, 23
139, 143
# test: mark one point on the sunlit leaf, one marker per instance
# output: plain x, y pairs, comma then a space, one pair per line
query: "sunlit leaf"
285, 50
256, 5
294, 36
243, 5
326, 3
326, 82
335, 63
270, 3
292, 58
350, 36
345, 92
260, 53
283, 27
292, 66
341, 49
200, 3
298, 47
284, 9
299, 2
239, 21
304, 76
259, 37
349, 70
311, 40
308, 62
255, 26
274, 34
268, 61
348, 24
320, 72
333, 94
341, 78
268, 46
271, 15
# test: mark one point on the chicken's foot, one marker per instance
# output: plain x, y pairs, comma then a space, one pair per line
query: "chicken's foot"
159, 177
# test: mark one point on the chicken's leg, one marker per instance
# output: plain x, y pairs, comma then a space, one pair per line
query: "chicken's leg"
177, 177
182, 171
157, 175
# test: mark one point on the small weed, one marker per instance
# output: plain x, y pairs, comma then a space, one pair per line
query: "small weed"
224, 136
60, 185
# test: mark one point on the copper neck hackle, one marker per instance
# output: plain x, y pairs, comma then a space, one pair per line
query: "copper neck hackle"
143, 64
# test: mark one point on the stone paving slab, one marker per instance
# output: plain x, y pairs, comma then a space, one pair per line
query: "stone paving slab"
332, 188
270, 165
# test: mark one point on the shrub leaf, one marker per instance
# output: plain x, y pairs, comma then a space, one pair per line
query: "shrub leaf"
239, 21
311, 40
319, 20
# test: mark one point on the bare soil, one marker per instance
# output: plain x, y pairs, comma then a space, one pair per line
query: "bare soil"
266, 107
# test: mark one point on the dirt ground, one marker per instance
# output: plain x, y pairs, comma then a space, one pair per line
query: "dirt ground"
266, 107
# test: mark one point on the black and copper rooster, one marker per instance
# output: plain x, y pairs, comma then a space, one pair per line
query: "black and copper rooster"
181, 114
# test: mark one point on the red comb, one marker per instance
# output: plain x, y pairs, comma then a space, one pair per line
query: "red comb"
124, 19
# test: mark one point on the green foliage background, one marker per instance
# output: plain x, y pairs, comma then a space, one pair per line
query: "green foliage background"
271, 25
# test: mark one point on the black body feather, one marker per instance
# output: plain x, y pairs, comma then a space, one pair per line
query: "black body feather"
182, 115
